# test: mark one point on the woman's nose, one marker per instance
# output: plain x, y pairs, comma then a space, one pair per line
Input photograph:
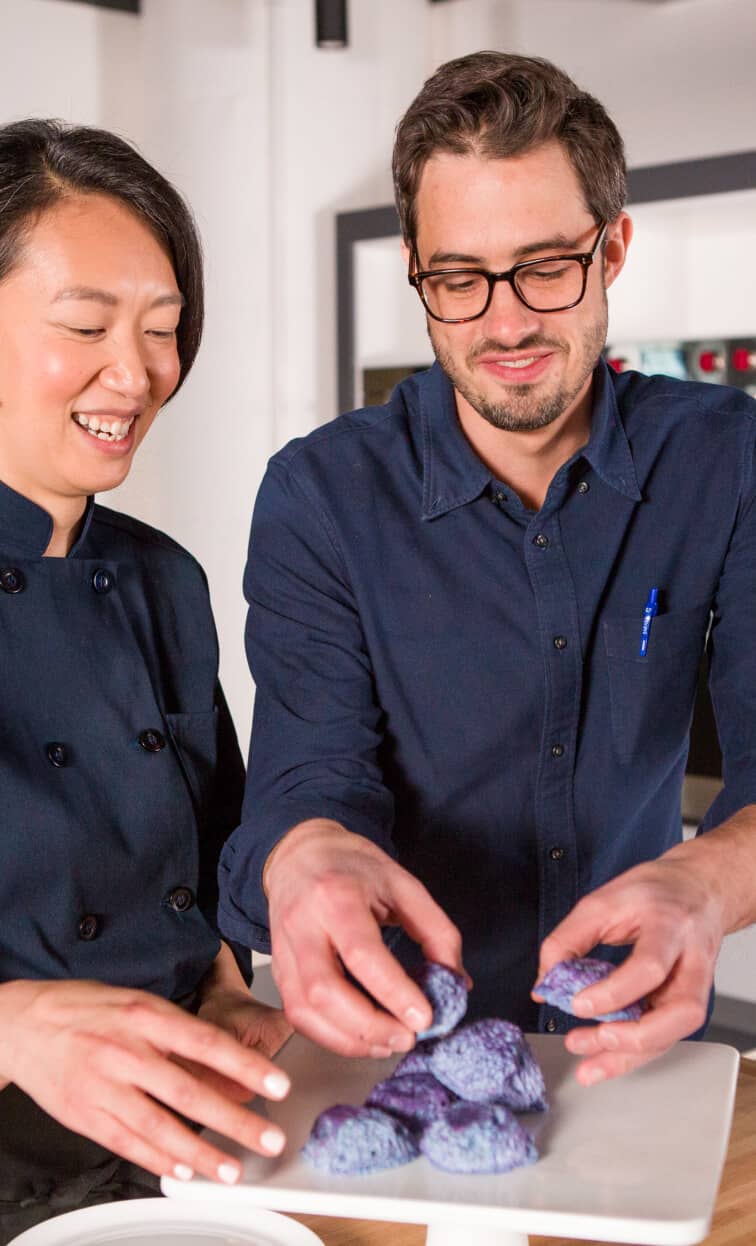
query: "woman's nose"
126, 372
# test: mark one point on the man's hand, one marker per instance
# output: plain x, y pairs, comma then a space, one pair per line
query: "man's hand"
329, 893
108, 1062
672, 913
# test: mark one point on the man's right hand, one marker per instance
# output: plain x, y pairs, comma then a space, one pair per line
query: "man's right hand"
329, 894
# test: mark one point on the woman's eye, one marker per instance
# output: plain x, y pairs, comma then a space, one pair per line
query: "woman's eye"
162, 334
81, 331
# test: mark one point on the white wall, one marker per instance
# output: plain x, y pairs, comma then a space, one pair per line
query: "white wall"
269, 137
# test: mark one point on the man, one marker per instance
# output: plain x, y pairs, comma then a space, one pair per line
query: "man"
457, 728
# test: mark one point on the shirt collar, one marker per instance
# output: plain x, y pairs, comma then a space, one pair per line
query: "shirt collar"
26, 528
454, 475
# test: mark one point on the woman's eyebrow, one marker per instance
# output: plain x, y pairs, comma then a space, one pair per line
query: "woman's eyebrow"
94, 295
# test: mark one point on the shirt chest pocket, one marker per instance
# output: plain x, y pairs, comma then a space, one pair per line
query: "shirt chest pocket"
652, 697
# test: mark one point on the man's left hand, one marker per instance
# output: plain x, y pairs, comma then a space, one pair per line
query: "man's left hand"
673, 916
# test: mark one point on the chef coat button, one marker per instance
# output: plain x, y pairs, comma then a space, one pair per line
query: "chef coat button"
181, 899
541, 540
499, 497
57, 754
583, 487
88, 927
560, 642
151, 741
551, 1025
556, 853
102, 581
557, 750
12, 580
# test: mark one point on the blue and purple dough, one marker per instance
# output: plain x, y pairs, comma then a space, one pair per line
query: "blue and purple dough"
346, 1140
416, 1098
446, 991
567, 977
415, 1061
478, 1138
490, 1061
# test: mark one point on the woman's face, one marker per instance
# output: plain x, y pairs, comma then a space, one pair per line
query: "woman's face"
88, 352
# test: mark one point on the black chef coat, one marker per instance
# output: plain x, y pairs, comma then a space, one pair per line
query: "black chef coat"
120, 774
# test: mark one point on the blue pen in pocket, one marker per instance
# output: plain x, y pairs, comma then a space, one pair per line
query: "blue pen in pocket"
650, 609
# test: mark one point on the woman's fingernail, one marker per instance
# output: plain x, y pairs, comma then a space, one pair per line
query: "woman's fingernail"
182, 1172
277, 1084
273, 1141
228, 1173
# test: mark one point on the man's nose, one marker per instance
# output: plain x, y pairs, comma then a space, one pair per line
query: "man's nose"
507, 317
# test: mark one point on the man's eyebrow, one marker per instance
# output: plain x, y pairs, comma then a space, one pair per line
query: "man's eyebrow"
556, 244
93, 295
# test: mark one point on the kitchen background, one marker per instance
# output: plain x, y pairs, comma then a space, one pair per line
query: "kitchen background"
270, 137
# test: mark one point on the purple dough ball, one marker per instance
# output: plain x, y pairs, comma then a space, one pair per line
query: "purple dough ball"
567, 977
348, 1141
490, 1061
415, 1061
478, 1137
416, 1098
447, 993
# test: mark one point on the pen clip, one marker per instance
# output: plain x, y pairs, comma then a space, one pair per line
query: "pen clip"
650, 610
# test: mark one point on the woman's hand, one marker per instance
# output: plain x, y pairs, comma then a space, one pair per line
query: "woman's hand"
115, 1065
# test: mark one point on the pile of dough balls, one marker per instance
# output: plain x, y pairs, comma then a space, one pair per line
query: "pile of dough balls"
452, 1098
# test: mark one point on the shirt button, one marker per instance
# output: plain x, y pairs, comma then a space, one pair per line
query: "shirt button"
499, 497
102, 581
151, 741
88, 927
557, 750
583, 487
12, 580
57, 754
556, 853
180, 899
560, 642
551, 1025
541, 540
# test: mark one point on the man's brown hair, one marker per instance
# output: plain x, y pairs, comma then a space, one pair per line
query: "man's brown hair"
495, 104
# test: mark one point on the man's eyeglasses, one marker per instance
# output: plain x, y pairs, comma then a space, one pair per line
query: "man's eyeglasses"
554, 283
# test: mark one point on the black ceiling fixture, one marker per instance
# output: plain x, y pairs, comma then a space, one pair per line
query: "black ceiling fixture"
123, 6
331, 29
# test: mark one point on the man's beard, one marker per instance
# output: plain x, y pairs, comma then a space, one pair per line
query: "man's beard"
528, 406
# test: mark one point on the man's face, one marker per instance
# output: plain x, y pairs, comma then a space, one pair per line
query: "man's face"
518, 369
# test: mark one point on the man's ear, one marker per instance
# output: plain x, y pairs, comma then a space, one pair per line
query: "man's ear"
618, 238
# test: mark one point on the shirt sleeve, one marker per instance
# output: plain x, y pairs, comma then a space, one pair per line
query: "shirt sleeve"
732, 672
316, 731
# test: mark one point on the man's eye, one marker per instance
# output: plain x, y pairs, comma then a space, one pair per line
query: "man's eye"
550, 272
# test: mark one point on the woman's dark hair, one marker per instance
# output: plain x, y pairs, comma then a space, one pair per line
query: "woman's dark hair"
496, 104
44, 161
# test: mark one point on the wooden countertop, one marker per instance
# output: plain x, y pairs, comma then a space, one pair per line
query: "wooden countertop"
734, 1221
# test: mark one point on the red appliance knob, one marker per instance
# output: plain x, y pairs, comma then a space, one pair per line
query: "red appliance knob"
618, 363
710, 361
744, 360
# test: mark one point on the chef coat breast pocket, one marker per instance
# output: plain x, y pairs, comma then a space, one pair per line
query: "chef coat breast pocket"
652, 697
195, 737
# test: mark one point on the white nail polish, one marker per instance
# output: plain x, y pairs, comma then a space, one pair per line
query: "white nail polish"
182, 1172
228, 1173
273, 1141
277, 1084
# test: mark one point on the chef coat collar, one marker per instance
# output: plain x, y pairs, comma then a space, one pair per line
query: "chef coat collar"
26, 528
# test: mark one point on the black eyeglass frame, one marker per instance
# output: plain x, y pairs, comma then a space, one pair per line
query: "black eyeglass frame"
585, 258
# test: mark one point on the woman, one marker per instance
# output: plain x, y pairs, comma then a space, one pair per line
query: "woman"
119, 768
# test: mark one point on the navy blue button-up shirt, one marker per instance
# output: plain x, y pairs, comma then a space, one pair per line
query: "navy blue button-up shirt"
120, 774
459, 678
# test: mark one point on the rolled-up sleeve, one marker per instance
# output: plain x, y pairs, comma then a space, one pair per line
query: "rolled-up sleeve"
732, 678
317, 728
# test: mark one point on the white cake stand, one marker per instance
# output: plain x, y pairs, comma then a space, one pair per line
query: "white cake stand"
634, 1160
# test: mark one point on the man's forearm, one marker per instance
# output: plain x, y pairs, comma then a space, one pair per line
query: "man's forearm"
726, 859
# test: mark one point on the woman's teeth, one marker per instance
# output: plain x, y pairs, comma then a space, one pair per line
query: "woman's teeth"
105, 430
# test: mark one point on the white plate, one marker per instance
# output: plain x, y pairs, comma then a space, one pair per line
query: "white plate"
161, 1222
637, 1159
